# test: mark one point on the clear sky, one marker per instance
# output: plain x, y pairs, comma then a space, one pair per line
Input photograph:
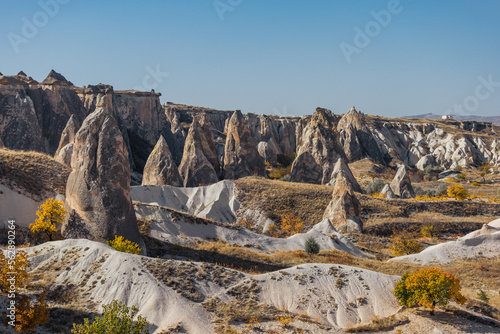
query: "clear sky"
269, 56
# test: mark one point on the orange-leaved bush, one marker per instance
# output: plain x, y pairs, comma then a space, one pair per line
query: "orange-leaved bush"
290, 225
457, 191
428, 288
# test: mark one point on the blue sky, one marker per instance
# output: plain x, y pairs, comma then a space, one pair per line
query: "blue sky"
269, 57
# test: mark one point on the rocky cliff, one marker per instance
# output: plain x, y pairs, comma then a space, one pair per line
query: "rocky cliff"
33, 116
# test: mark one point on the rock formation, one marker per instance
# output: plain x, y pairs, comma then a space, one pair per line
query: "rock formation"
342, 168
401, 184
98, 188
195, 168
55, 78
356, 139
387, 192
344, 209
208, 145
34, 115
318, 138
65, 149
306, 169
160, 169
269, 150
241, 157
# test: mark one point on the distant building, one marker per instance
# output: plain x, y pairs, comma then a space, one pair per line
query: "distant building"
447, 117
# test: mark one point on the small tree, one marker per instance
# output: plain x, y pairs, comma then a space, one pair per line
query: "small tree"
117, 318
50, 216
457, 191
312, 246
405, 245
430, 231
428, 288
18, 264
483, 296
123, 245
29, 311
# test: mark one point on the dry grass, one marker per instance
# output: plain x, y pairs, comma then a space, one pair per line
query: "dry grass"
276, 198
474, 275
308, 202
377, 211
33, 173
379, 324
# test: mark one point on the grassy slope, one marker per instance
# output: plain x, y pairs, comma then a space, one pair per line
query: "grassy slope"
32, 173
308, 201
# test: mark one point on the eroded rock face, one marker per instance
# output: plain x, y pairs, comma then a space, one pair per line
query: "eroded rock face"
356, 139
269, 150
65, 148
401, 184
98, 188
344, 209
195, 168
55, 78
160, 169
19, 121
342, 168
387, 192
318, 138
306, 169
241, 157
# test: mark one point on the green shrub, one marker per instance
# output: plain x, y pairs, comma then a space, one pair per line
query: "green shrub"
312, 246
481, 295
375, 187
117, 318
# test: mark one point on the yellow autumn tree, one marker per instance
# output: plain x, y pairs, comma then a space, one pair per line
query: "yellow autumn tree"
50, 216
428, 288
123, 245
15, 262
30, 311
405, 245
457, 191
